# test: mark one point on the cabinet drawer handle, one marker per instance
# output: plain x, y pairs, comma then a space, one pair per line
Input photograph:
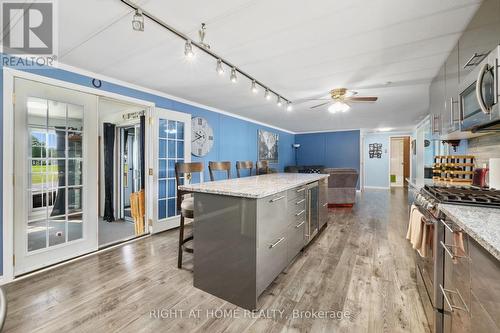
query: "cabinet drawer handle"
278, 198
447, 226
276, 244
300, 224
299, 202
447, 247
326, 204
300, 213
448, 302
301, 190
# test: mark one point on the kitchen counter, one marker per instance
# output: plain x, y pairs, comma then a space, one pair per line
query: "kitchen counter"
255, 187
248, 230
482, 224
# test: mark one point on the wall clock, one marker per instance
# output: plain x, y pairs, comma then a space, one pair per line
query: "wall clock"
202, 137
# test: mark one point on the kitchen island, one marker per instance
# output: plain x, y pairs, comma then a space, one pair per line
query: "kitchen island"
247, 230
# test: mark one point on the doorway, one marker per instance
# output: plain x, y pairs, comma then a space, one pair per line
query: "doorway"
121, 176
55, 207
399, 168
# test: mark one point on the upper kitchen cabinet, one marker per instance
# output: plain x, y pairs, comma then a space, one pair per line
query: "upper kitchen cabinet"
481, 36
437, 103
451, 112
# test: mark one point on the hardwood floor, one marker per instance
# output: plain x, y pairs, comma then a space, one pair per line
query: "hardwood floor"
361, 267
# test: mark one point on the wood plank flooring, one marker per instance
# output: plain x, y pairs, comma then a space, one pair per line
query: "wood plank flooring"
361, 267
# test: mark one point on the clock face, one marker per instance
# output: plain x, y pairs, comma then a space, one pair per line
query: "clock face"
202, 137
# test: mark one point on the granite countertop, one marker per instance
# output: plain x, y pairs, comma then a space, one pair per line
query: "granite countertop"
255, 187
482, 224
418, 183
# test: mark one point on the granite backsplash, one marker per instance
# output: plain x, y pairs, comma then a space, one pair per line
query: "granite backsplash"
484, 148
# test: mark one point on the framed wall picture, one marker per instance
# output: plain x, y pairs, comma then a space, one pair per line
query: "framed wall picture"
375, 150
268, 146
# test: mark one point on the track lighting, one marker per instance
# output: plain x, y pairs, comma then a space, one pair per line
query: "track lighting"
234, 78
138, 20
202, 46
267, 95
219, 69
289, 106
188, 49
278, 102
254, 87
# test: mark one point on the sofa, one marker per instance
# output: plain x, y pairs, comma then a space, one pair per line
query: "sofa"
342, 185
305, 169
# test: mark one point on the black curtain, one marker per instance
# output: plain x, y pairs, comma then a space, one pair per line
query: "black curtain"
59, 207
142, 151
109, 154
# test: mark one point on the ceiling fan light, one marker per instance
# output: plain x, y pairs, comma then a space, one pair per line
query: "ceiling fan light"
233, 77
138, 20
267, 95
254, 87
338, 107
219, 68
188, 49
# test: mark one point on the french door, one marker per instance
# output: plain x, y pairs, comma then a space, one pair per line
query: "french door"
55, 172
171, 138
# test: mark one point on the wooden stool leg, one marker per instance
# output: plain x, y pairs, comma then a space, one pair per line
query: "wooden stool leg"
181, 240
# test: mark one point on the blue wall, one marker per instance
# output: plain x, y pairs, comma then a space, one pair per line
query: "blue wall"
235, 139
331, 149
377, 169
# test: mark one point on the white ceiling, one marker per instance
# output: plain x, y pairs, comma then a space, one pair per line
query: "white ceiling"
298, 48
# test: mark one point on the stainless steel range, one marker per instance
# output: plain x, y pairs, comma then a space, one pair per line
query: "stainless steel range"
430, 269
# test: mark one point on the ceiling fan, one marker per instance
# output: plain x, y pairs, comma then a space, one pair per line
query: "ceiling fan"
340, 98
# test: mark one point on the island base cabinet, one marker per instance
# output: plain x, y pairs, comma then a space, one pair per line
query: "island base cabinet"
296, 239
271, 260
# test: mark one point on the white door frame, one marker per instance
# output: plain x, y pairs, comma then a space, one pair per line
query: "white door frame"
402, 136
173, 221
8, 153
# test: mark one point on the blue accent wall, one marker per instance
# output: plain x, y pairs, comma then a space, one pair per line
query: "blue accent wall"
331, 149
235, 139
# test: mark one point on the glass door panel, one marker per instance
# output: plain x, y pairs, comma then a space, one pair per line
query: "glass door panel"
171, 133
55, 155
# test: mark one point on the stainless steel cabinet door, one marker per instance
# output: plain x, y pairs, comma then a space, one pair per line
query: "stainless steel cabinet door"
457, 280
485, 280
480, 37
451, 115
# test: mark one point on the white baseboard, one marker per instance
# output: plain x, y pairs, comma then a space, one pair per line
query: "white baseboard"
377, 188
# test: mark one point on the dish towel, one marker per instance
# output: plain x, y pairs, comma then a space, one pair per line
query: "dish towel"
418, 232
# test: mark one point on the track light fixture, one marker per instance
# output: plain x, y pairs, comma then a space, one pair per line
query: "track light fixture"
219, 68
204, 47
278, 102
188, 49
234, 78
254, 87
289, 106
138, 20
267, 95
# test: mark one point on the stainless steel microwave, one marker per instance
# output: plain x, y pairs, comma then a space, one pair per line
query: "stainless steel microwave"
479, 95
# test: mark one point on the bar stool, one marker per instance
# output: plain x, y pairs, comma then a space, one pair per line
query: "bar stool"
185, 202
243, 165
219, 166
262, 167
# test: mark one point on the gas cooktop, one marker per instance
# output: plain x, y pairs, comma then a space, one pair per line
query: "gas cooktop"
461, 195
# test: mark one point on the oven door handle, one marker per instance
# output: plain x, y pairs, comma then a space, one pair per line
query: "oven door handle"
479, 88
448, 302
